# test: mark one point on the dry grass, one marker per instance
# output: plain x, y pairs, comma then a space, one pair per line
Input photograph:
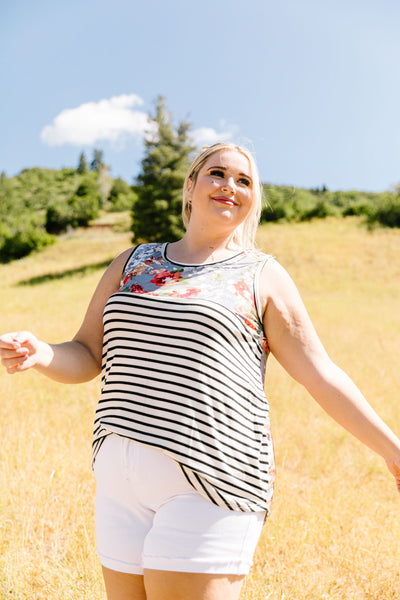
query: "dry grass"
334, 531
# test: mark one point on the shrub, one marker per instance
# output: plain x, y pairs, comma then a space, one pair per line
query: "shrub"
279, 204
81, 208
296, 204
386, 213
121, 196
320, 210
23, 238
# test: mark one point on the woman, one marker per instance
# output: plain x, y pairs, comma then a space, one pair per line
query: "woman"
182, 448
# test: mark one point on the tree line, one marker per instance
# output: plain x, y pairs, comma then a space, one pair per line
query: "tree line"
39, 204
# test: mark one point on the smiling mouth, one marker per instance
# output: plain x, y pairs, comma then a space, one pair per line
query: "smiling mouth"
225, 200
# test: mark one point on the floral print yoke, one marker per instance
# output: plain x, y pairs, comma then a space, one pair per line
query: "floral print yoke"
231, 282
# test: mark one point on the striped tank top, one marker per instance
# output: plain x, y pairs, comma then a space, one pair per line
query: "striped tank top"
184, 357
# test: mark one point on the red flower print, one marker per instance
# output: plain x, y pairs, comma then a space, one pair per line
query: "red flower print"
242, 289
165, 277
272, 475
185, 293
136, 289
267, 430
249, 322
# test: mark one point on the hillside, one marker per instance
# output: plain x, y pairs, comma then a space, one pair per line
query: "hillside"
334, 531
39, 204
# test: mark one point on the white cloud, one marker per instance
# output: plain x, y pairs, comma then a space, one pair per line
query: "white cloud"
208, 136
112, 120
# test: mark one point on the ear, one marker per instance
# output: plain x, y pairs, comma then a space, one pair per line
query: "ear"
189, 191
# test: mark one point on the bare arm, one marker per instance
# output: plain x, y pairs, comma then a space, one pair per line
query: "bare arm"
295, 344
75, 361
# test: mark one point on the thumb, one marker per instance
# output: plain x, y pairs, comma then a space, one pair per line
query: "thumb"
24, 338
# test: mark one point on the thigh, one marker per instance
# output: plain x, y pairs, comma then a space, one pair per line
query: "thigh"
192, 535
169, 585
123, 586
122, 522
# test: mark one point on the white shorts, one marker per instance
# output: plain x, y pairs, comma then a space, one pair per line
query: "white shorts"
149, 517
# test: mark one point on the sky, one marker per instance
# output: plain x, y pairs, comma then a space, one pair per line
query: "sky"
311, 87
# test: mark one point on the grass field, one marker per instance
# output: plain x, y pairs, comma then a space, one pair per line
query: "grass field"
334, 532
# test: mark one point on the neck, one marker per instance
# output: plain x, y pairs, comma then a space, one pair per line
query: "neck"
200, 249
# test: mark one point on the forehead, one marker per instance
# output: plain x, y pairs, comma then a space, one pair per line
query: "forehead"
229, 159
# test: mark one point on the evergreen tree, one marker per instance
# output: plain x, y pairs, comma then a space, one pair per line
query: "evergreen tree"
97, 160
157, 210
82, 166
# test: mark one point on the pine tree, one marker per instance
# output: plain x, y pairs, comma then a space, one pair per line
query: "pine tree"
157, 210
97, 161
82, 165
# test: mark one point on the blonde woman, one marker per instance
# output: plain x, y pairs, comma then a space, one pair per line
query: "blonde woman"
182, 448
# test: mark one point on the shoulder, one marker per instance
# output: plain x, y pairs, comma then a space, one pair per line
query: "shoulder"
112, 276
256, 255
276, 286
143, 252
275, 273
120, 261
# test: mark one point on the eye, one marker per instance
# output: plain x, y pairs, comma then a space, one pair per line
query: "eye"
245, 181
217, 172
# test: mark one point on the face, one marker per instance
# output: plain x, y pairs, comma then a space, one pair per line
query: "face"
223, 190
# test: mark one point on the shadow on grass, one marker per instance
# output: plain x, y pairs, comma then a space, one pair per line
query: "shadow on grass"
81, 271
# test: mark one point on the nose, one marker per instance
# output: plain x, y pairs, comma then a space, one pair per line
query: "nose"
229, 185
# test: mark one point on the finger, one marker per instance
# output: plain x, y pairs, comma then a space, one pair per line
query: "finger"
13, 370
14, 353
17, 366
14, 361
10, 340
22, 337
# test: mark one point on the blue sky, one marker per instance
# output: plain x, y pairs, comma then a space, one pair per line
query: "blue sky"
313, 87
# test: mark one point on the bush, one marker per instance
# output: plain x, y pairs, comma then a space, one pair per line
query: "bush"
84, 205
58, 219
279, 204
26, 237
320, 210
296, 204
121, 196
81, 208
386, 213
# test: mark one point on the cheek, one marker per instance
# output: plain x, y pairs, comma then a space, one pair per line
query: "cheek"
248, 205
248, 198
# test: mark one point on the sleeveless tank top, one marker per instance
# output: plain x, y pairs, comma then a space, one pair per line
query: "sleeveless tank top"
184, 357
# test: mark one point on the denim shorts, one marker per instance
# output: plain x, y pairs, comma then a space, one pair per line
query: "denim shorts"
149, 517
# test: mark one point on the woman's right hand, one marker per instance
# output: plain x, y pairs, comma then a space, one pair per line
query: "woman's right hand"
19, 351
75, 361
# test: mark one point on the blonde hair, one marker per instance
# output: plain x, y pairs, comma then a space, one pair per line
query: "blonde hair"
245, 233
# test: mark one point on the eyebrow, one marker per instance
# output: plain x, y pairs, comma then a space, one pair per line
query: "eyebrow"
225, 168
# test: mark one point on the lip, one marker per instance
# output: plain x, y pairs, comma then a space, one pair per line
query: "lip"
225, 200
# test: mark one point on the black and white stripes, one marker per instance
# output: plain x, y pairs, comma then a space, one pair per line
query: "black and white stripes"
185, 375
